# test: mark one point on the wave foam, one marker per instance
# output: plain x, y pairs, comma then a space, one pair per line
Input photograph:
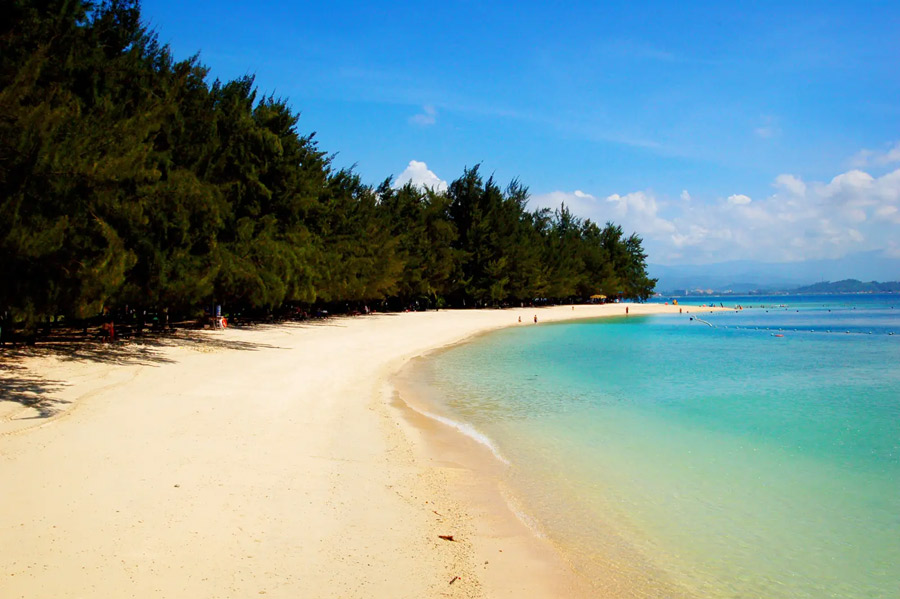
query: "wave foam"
469, 431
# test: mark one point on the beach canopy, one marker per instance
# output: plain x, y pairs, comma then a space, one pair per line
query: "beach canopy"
598, 296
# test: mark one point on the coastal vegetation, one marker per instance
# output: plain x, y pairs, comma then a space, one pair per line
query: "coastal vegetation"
131, 183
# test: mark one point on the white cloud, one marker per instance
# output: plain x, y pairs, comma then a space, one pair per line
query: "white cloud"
791, 184
739, 199
685, 195
892, 155
887, 187
427, 117
866, 157
578, 202
800, 220
861, 159
851, 183
892, 250
887, 212
418, 174
854, 211
768, 129
637, 211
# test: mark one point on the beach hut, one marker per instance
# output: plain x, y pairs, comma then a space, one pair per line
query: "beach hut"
598, 297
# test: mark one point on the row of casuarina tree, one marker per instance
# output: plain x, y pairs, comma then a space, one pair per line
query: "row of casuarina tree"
129, 182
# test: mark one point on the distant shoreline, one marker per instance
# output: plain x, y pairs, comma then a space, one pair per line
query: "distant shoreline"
845, 287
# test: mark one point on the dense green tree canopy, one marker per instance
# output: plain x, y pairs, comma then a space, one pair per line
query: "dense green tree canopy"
128, 179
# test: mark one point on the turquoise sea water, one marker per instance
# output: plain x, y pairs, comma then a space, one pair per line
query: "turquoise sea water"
672, 458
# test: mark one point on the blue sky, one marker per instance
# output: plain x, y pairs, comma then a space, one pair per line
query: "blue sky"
717, 131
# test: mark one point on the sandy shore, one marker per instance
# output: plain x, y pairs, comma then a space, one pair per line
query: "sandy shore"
275, 461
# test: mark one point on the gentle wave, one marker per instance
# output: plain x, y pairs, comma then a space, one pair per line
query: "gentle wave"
469, 431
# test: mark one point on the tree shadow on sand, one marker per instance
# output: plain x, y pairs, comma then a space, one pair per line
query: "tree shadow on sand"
144, 351
20, 386
200, 340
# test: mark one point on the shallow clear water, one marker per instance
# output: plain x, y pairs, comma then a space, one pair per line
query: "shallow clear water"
714, 461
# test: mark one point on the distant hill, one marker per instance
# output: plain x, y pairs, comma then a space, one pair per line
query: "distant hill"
746, 276
850, 286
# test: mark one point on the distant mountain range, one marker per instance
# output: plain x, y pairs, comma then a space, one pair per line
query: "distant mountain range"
746, 276
851, 286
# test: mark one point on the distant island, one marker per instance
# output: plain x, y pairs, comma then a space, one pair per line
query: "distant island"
751, 276
845, 286
850, 286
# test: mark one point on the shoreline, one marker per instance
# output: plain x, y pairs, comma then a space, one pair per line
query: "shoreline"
274, 460
503, 521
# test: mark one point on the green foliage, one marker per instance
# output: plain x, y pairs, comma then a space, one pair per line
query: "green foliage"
417, 220
129, 180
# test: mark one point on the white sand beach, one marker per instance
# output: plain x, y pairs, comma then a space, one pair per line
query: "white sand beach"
272, 460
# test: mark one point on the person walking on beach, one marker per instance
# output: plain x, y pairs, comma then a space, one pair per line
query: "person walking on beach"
535, 319
109, 331
626, 310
